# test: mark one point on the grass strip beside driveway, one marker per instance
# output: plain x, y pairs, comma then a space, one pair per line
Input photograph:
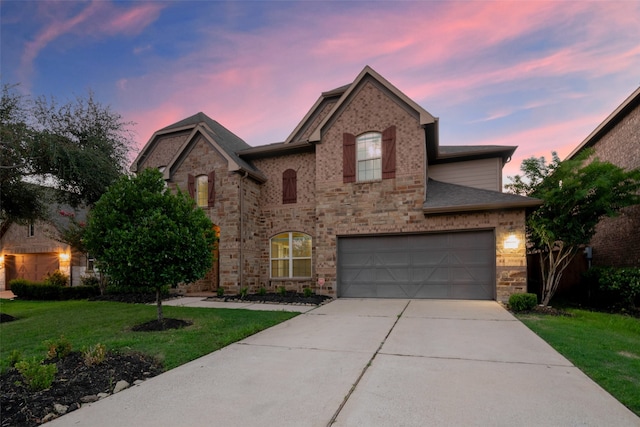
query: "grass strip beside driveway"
86, 323
604, 346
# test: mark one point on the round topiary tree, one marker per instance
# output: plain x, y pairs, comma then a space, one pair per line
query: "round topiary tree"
142, 235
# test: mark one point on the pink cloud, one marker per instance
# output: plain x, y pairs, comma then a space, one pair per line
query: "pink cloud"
270, 78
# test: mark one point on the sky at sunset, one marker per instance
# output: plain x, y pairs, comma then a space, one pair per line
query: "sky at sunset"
538, 75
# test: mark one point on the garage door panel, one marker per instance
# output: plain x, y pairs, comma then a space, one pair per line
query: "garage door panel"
437, 291
444, 265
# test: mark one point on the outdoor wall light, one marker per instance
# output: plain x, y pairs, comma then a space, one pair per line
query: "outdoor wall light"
1, 261
64, 257
511, 242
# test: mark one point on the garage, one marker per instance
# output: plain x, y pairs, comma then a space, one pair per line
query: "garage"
456, 265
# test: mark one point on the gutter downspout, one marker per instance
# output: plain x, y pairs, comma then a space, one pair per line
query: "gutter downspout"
241, 266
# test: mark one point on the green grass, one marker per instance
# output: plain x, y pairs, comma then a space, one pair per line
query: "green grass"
604, 346
86, 323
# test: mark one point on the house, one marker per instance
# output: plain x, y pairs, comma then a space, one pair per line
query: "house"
360, 200
32, 251
617, 140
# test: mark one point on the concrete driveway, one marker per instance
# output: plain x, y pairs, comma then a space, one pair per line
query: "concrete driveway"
372, 363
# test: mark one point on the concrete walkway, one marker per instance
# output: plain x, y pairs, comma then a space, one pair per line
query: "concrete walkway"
372, 363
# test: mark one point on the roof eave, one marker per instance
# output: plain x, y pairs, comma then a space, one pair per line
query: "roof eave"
482, 207
282, 148
134, 166
631, 102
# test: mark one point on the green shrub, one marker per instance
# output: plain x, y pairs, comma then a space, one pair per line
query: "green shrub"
94, 355
90, 281
79, 292
262, 291
36, 375
220, 292
114, 288
59, 348
28, 290
57, 278
307, 292
622, 283
243, 292
522, 302
282, 290
14, 357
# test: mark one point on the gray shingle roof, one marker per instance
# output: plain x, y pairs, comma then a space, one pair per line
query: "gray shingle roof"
443, 197
227, 140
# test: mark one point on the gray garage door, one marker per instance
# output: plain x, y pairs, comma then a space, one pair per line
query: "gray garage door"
448, 265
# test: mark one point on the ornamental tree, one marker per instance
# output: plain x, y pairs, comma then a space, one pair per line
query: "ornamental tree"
79, 148
576, 194
144, 236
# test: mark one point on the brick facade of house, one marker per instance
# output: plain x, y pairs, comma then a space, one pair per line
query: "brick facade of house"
249, 208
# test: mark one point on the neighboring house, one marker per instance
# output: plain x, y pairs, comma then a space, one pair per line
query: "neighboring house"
32, 251
359, 201
617, 140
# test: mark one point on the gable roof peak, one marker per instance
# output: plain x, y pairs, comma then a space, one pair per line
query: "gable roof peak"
346, 91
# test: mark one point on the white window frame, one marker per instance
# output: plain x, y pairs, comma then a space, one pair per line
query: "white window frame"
369, 157
31, 229
290, 258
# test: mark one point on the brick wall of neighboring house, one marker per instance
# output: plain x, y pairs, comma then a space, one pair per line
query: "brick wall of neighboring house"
35, 256
617, 240
277, 217
393, 205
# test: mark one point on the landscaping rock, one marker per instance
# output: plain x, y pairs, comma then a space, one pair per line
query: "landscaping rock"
120, 385
60, 409
90, 398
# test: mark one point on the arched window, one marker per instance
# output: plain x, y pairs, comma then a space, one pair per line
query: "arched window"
370, 156
290, 255
202, 190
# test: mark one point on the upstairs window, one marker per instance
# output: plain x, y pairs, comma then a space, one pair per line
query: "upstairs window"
290, 255
202, 189
31, 229
369, 156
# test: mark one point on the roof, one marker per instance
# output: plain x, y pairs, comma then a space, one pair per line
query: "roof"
228, 143
276, 149
618, 114
446, 198
451, 153
345, 92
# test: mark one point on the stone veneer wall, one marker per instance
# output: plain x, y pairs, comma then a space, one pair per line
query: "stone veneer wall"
617, 240
201, 159
276, 217
394, 205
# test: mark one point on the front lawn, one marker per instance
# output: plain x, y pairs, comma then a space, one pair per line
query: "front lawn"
86, 323
604, 346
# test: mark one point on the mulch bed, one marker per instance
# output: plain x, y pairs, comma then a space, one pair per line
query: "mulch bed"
276, 298
73, 382
549, 311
